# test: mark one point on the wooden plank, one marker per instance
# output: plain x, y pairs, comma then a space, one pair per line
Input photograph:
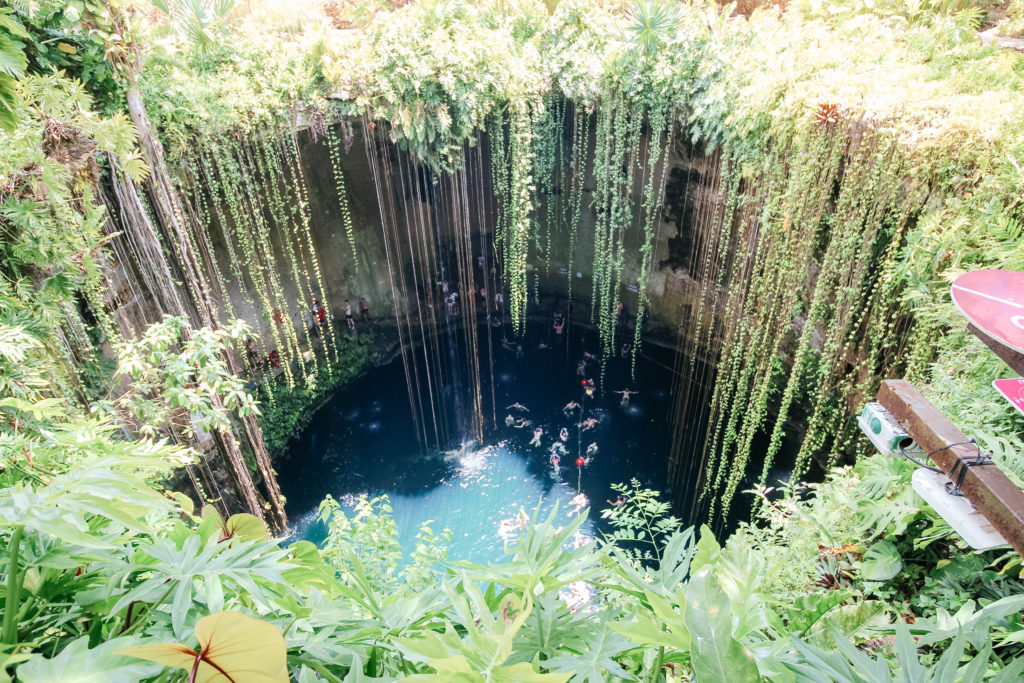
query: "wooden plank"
988, 489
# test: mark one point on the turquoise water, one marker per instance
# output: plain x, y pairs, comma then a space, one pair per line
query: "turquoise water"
362, 442
482, 500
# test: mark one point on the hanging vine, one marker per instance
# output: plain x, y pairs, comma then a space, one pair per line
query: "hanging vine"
334, 149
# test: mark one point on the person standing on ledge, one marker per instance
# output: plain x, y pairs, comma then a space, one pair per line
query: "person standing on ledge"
348, 316
364, 309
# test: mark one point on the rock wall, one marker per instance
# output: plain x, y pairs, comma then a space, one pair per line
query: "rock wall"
672, 287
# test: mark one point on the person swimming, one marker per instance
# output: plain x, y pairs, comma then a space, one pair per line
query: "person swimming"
509, 420
578, 502
563, 434
558, 448
591, 450
522, 424
537, 433
570, 407
626, 393
581, 368
518, 406
589, 423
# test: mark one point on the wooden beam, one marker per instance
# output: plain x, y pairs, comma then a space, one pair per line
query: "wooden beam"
997, 498
1011, 357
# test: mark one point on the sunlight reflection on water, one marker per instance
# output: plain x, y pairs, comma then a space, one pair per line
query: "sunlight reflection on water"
484, 498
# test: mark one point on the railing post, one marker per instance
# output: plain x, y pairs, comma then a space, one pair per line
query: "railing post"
997, 498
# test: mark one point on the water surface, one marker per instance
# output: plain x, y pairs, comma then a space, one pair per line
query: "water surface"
362, 441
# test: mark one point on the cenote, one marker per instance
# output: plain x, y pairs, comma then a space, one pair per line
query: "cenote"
488, 261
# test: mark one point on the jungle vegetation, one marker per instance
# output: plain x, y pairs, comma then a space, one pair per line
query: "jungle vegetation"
864, 154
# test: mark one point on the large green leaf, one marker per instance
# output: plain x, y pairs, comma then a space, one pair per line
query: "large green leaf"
708, 548
715, 654
848, 620
881, 562
549, 629
597, 661
76, 663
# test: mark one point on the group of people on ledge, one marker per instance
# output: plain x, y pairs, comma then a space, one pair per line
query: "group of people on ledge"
316, 322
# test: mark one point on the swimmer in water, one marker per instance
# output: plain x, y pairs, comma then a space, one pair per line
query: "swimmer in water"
570, 407
592, 450
509, 420
581, 369
619, 502
522, 424
455, 453
578, 502
587, 357
537, 433
558, 448
564, 434
626, 393
518, 406
589, 423
542, 346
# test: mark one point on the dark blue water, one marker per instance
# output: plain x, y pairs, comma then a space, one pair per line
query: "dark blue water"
362, 441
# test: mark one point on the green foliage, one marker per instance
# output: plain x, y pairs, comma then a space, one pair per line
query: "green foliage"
715, 653
78, 39
12, 66
436, 72
641, 523
651, 22
200, 22
80, 663
286, 414
881, 562
179, 378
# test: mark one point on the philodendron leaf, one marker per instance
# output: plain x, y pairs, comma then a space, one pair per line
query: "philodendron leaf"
245, 527
715, 654
597, 660
242, 526
232, 647
76, 663
849, 620
881, 562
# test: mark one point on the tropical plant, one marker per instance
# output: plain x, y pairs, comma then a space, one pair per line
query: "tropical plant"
179, 378
12, 66
203, 23
651, 23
